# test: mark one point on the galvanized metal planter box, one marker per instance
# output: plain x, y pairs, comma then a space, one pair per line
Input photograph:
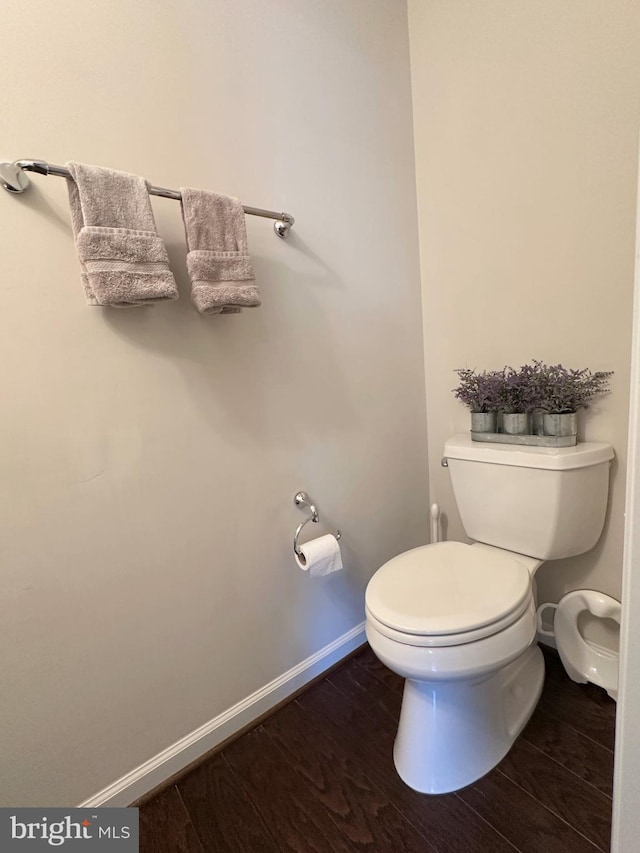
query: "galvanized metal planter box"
536, 430
531, 440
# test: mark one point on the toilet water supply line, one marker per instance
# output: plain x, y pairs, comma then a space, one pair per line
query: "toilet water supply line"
435, 523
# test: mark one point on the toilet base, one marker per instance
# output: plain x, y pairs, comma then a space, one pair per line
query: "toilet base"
452, 733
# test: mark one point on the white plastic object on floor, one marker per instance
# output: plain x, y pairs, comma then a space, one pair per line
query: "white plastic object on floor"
582, 659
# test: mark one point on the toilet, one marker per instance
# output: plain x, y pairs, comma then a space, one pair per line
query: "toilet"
458, 621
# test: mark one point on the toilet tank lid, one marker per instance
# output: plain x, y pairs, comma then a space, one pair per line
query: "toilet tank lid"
583, 455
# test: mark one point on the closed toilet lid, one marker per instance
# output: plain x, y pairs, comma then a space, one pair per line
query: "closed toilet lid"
447, 588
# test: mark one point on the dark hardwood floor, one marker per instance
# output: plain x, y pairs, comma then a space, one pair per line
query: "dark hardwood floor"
318, 776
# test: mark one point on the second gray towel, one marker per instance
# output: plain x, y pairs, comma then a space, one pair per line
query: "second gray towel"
123, 261
218, 262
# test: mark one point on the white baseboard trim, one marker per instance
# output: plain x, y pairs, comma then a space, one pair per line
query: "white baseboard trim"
176, 757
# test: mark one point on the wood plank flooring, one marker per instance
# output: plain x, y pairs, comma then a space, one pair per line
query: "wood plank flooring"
318, 777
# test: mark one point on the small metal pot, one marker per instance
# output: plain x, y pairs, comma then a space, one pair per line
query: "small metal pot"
516, 423
483, 421
563, 424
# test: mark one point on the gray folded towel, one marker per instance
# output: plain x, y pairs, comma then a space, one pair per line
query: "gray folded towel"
218, 262
123, 261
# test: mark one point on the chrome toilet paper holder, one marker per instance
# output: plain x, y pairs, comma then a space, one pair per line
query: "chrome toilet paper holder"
302, 499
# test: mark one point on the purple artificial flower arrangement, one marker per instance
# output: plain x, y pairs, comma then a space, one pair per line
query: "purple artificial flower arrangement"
481, 392
521, 392
536, 387
565, 390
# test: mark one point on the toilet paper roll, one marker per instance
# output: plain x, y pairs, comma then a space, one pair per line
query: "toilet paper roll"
320, 556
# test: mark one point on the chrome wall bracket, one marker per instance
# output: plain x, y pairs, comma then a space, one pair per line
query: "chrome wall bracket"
13, 179
302, 499
284, 225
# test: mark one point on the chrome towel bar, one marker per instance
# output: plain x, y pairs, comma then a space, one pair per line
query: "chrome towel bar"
14, 180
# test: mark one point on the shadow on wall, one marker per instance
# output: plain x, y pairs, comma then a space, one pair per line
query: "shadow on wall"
39, 204
243, 371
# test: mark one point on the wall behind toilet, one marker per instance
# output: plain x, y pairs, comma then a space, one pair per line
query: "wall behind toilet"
526, 121
149, 458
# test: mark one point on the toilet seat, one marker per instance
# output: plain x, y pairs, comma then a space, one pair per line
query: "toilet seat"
584, 661
441, 640
447, 594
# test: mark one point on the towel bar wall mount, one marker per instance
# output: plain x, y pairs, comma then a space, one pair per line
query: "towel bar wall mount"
14, 180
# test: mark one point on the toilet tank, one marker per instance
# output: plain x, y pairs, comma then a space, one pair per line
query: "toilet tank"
544, 502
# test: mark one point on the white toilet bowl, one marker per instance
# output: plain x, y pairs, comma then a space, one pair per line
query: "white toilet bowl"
583, 660
458, 623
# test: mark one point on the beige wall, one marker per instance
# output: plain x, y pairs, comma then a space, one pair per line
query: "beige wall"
148, 459
526, 128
